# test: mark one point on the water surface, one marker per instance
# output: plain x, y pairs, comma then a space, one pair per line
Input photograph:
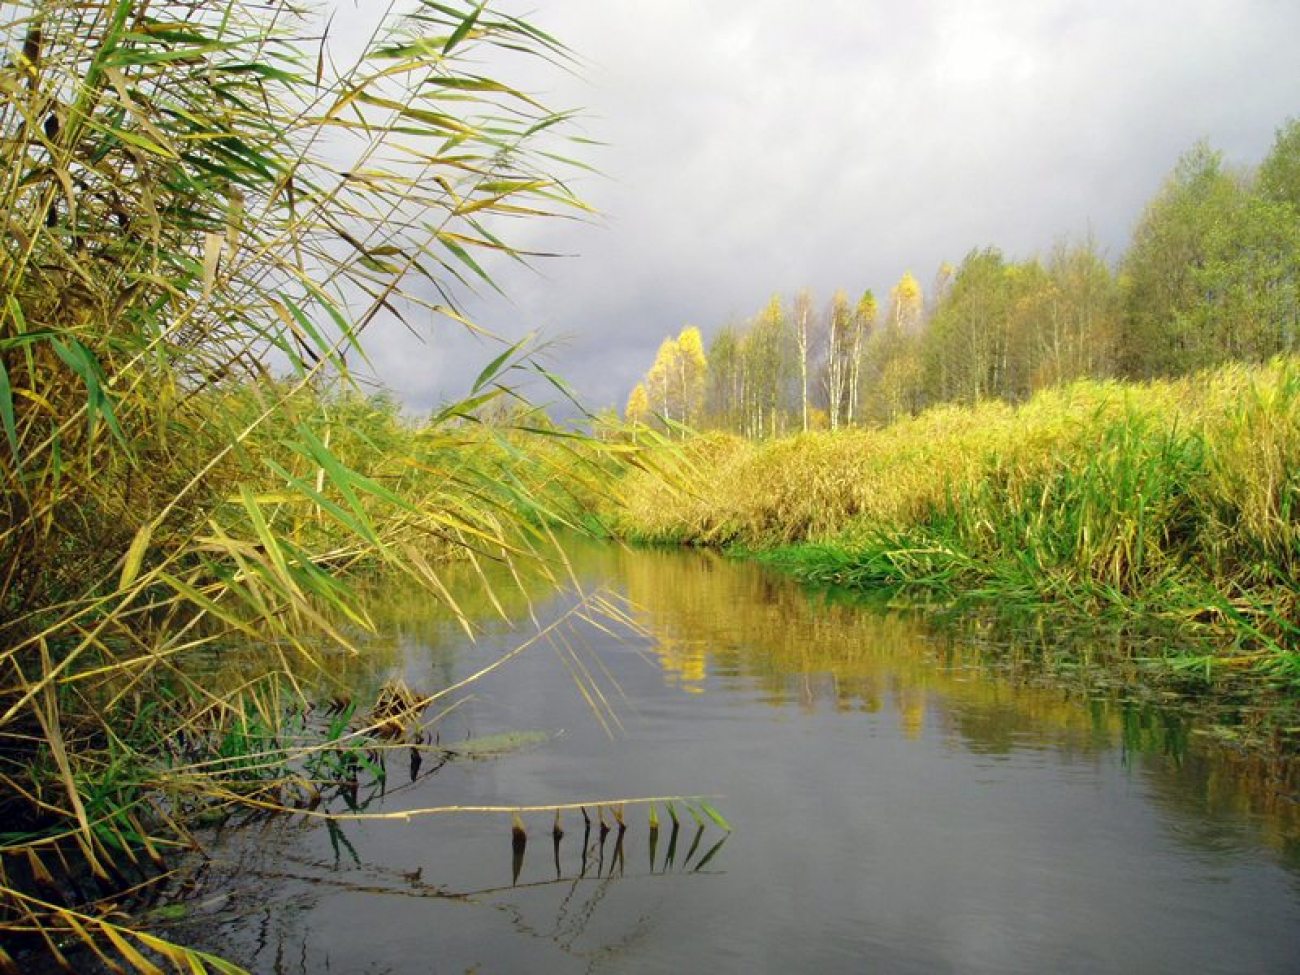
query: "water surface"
904, 797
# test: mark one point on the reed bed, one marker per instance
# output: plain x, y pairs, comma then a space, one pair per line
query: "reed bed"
1177, 500
204, 210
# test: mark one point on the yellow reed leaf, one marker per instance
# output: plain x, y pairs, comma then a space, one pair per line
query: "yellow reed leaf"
213, 244
135, 555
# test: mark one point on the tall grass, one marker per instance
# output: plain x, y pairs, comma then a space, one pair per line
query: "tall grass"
202, 216
1178, 499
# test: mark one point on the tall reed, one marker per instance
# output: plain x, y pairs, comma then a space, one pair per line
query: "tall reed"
1178, 499
202, 216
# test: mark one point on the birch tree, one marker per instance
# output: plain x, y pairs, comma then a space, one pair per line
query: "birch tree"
906, 304
659, 379
691, 370
839, 323
638, 408
768, 368
864, 322
803, 315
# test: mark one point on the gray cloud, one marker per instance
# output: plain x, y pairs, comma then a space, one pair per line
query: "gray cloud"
756, 147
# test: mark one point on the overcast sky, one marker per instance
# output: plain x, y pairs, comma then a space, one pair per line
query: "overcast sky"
757, 146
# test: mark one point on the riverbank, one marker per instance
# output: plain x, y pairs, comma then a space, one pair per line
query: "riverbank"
1174, 504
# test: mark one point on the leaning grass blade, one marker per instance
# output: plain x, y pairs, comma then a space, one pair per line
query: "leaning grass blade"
716, 816
128, 951
135, 556
7, 411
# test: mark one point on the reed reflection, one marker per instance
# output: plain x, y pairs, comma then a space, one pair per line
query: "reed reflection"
719, 624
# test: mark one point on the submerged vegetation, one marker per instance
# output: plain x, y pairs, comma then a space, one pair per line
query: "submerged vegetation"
1175, 503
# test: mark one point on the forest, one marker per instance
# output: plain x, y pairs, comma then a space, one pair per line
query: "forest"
1212, 275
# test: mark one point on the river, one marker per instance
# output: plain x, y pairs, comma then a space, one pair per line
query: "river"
904, 796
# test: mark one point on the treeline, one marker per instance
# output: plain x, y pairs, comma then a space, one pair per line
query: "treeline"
1212, 275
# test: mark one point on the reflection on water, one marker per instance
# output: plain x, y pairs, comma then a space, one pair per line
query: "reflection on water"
733, 622
906, 796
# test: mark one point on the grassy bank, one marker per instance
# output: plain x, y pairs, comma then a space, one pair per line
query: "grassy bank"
1175, 501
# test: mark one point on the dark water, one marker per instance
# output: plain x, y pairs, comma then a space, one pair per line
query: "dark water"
904, 799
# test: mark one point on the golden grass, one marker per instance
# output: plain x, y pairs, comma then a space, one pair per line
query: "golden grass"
836, 486
1177, 500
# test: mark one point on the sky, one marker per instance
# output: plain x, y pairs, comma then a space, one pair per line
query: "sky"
753, 147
